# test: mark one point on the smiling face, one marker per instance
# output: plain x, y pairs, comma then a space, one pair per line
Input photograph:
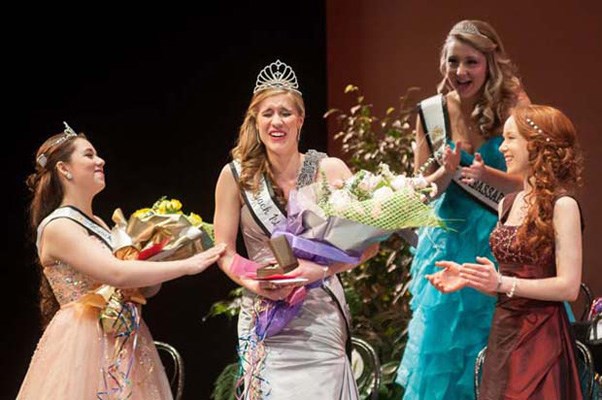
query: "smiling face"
85, 167
279, 122
466, 69
514, 149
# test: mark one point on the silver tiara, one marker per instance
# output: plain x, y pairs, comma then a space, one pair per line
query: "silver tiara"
277, 75
467, 28
68, 133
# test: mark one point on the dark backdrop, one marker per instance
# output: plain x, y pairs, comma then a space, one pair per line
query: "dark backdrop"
161, 97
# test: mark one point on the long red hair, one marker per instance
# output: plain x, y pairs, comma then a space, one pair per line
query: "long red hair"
556, 169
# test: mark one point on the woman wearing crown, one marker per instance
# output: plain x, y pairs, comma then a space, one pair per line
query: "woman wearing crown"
458, 135
307, 358
77, 357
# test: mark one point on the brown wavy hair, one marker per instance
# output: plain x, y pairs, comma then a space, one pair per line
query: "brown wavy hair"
556, 165
250, 151
500, 92
47, 194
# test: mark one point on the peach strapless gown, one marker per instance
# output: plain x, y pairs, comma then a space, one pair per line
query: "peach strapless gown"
73, 354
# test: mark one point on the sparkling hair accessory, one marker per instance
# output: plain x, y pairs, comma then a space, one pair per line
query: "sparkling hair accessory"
277, 75
68, 133
467, 28
536, 128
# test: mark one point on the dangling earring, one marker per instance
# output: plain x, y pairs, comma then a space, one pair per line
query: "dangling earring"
68, 176
298, 134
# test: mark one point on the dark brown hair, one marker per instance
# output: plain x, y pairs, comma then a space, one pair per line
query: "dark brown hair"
47, 195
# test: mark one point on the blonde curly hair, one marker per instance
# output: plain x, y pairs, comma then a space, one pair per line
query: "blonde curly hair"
500, 93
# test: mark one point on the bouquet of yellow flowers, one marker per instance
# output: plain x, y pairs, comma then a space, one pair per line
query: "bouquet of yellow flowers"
161, 232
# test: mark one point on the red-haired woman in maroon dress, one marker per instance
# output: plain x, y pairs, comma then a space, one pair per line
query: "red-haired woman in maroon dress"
530, 353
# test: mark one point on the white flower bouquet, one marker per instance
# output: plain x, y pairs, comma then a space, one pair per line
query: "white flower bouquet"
328, 223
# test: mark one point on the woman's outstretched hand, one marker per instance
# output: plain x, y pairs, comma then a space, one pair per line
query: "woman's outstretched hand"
449, 279
200, 261
481, 276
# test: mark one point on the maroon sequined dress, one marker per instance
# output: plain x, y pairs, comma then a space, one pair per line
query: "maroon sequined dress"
530, 353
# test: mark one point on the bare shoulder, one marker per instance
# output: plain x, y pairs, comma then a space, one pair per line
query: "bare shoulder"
60, 226
226, 175
567, 213
226, 170
566, 204
62, 230
227, 185
335, 168
332, 164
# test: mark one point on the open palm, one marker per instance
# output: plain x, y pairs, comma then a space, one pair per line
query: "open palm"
448, 279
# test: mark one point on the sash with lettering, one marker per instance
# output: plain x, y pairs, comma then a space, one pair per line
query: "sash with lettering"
273, 219
269, 215
76, 215
263, 205
435, 121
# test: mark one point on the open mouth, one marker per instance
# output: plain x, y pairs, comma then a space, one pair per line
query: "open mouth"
463, 84
277, 134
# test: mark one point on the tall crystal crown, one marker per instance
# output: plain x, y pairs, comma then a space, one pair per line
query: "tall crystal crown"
277, 75
68, 133
467, 28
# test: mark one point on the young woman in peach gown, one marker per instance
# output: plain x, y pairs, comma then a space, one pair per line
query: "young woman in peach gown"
76, 358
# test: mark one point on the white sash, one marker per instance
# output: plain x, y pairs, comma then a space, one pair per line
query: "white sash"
435, 120
263, 206
75, 215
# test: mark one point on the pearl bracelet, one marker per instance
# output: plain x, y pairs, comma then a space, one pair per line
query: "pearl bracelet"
513, 287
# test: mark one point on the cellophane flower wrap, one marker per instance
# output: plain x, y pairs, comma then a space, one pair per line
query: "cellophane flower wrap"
336, 223
161, 232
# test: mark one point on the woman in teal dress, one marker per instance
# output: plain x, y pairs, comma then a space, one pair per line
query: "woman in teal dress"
458, 139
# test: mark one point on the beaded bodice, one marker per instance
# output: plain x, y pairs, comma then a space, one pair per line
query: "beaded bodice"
514, 257
67, 283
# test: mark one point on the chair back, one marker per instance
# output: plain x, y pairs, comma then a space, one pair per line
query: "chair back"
365, 365
174, 367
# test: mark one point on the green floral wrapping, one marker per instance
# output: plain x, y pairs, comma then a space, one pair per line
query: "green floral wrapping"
403, 209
